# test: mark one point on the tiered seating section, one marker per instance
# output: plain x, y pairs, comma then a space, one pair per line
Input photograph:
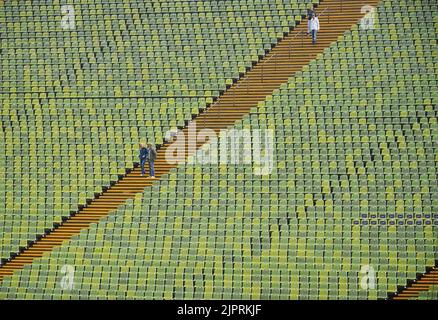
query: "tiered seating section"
354, 185
75, 103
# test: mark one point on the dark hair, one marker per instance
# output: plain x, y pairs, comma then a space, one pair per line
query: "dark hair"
310, 13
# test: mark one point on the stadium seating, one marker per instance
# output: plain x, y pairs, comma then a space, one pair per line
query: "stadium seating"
75, 103
353, 186
431, 294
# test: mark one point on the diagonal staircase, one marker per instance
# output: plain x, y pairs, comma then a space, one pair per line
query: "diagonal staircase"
424, 282
290, 54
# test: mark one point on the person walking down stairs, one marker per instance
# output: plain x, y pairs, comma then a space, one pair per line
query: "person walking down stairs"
313, 27
151, 156
143, 157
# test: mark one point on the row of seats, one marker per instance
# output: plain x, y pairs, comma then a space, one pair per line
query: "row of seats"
431, 294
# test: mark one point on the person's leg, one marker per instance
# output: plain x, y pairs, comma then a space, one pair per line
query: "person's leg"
313, 36
142, 163
151, 169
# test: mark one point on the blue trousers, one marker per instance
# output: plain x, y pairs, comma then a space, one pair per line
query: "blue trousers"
142, 163
314, 36
151, 168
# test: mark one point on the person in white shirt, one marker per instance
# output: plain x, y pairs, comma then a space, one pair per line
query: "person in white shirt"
313, 27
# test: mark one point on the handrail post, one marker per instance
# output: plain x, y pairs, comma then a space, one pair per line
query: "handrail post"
262, 72
234, 100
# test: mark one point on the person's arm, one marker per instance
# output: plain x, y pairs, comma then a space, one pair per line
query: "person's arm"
308, 25
317, 23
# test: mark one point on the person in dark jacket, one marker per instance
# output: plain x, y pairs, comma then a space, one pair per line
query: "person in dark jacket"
152, 155
143, 157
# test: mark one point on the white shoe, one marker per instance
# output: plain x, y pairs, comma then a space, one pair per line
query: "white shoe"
152, 177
